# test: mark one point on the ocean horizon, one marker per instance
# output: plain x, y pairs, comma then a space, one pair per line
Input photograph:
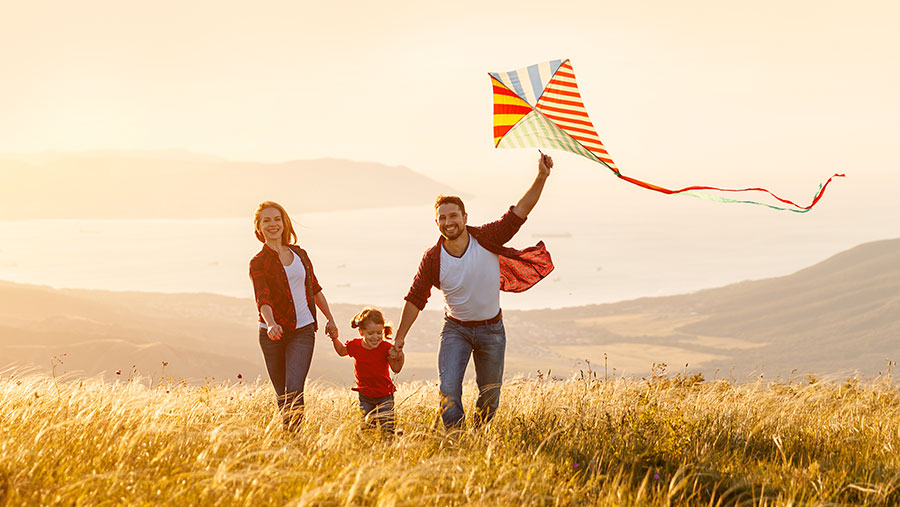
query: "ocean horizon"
369, 256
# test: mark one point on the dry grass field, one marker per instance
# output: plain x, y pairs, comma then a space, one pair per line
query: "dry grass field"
661, 440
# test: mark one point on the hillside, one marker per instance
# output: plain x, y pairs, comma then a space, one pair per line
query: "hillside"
199, 335
838, 316
111, 184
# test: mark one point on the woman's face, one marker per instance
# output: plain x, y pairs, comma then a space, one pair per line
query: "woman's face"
270, 223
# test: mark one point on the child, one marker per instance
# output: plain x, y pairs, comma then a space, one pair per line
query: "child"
372, 355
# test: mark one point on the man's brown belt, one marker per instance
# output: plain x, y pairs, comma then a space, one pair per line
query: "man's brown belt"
476, 323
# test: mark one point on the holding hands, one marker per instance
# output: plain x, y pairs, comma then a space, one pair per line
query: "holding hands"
331, 330
395, 352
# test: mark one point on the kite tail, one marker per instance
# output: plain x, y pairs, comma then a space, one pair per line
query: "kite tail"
691, 191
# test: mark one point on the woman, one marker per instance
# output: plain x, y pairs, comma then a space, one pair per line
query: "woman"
287, 294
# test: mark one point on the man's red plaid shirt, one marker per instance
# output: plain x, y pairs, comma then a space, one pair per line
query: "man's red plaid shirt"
271, 286
519, 269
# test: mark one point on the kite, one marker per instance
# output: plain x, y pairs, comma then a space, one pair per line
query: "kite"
540, 106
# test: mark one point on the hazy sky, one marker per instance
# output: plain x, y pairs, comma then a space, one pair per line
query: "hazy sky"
677, 90
779, 94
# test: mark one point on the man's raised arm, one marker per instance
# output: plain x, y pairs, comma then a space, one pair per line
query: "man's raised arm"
528, 201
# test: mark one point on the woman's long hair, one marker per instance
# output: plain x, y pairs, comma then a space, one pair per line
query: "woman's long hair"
288, 229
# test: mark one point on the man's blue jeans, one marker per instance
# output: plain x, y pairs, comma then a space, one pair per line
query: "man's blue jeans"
487, 346
287, 361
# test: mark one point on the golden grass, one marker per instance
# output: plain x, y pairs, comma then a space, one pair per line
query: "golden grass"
584, 441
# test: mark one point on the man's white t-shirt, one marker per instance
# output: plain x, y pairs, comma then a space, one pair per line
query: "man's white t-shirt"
471, 283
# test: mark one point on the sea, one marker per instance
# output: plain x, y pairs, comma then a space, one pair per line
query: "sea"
603, 252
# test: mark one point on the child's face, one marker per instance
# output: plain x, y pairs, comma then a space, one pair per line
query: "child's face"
372, 333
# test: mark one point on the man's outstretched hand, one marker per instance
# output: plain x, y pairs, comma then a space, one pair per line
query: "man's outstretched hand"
544, 165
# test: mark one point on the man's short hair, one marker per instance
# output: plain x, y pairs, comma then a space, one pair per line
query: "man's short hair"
449, 199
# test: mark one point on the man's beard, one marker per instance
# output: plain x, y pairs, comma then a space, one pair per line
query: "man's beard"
459, 232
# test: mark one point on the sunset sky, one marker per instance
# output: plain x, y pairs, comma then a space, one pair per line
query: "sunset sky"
677, 90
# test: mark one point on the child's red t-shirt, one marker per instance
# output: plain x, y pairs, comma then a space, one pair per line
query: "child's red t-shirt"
371, 368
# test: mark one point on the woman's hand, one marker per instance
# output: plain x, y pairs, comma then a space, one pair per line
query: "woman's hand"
331, 330
274, 332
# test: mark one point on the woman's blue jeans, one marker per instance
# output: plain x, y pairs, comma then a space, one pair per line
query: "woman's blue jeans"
487, 346
287, 361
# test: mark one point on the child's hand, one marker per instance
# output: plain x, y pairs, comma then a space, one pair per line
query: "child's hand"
339, 347
331, 330
396, 359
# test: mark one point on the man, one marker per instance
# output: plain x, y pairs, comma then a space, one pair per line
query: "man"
471, 266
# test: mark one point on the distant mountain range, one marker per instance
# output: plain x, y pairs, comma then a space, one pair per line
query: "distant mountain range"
836, 317
179, 184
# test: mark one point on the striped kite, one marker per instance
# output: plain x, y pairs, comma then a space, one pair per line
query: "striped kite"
540, 106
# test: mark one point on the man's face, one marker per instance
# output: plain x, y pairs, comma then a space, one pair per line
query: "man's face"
450, 220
